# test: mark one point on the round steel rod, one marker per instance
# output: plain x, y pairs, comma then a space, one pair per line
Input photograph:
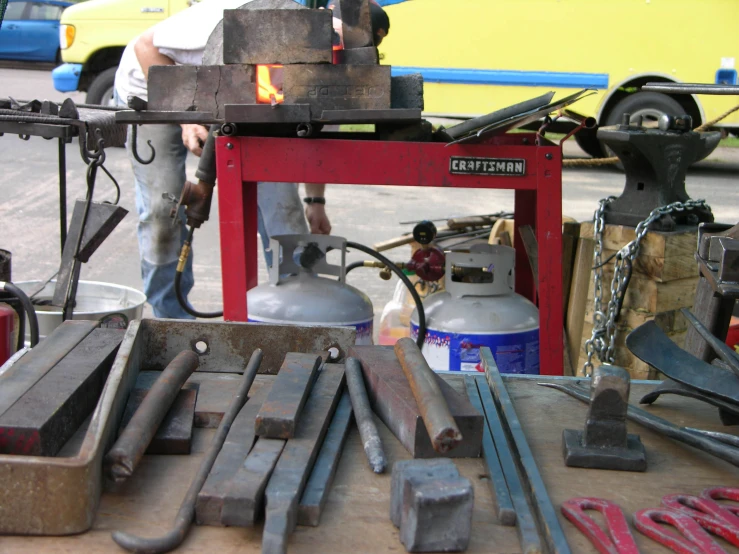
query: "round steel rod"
363, 414
122, 459
184, 518
439, 422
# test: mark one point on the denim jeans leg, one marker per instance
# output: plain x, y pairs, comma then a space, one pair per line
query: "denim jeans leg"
280, 213
160, 239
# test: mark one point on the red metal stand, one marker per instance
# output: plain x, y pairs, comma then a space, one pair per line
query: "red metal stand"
244, 161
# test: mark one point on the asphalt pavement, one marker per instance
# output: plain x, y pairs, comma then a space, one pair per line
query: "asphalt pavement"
29, 225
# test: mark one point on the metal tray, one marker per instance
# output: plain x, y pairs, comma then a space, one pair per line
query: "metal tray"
60, 495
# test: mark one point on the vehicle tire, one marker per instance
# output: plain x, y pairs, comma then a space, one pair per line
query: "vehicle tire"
588, 141
101, 88
649, 105
58, 59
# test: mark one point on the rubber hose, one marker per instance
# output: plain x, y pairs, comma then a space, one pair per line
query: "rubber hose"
30, 313
354, 265
178, 287
407, 282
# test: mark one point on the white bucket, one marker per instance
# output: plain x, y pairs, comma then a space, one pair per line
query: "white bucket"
94, 301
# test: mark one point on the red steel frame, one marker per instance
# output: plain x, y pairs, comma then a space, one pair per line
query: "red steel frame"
244, 161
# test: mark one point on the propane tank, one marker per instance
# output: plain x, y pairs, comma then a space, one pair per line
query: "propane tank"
300, 293
467, 316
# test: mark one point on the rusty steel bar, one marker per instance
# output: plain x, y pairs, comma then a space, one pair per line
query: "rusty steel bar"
122, 459
186, 514
439, 422
363, 414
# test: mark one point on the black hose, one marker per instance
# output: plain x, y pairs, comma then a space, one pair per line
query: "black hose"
407, 282
30, 313
354, 265
178, 282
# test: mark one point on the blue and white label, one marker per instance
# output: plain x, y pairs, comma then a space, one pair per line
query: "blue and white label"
513, 352
364, 328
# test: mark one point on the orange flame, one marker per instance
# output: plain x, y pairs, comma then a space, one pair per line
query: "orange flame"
269, 84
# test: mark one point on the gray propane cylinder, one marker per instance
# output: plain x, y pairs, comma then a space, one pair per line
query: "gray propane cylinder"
298, 293
467, 316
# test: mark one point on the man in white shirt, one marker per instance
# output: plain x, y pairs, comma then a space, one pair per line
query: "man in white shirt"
181, 40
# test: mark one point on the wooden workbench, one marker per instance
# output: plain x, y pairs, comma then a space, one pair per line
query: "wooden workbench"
356, 518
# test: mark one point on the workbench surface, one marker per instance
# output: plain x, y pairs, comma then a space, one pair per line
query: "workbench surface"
356, 517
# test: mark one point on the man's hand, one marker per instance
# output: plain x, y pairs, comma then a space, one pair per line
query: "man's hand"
194, 137
317, 219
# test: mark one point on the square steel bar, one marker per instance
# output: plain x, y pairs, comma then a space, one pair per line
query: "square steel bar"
243, 161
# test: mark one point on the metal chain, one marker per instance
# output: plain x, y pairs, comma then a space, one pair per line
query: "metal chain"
603, 340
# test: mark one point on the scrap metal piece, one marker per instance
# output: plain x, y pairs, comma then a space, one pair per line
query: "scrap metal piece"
436, 469
437, 515
651, 345
265, 113
121, 461
367, 55
534, 487
291, 473
496, 477
709, 514
392, 400
605, 442
528, 535
174, 435
364, 417
441, 427
276, 36
204, 88
278, 417
668, 386
337, 87
662, 426
186, 513
691, 538
723, 351
27, 371
234, 451
99, 223
47, 416
321, 478
616, 539
243, 501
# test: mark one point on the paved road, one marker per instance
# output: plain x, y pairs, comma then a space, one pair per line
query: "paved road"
29, 226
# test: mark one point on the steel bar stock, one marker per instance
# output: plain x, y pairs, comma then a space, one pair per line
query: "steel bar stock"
122, 459
363, 414
186, 514
439, 422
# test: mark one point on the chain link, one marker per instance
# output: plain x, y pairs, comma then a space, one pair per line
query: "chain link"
602, 342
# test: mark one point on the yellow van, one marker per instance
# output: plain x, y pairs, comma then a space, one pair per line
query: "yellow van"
93, 35
477, 56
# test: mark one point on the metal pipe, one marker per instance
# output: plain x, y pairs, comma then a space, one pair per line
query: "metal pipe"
664, 427
721, 349
690, 88
442, 429
62, 159
363, 415
185, 515
122, 459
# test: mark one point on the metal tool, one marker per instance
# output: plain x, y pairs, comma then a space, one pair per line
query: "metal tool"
186, 513
651, 345
728, 412
656, 162
536, 491
121, 461
605, 443
694, 539
697, 440
440, 424
721, 349
724, 493
691, 88
710, 515
496, 476
363, 415
616, 539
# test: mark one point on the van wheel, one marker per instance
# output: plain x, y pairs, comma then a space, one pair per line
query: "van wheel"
100, 90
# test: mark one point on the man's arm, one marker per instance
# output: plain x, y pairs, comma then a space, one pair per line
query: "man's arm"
193, 136
316, 213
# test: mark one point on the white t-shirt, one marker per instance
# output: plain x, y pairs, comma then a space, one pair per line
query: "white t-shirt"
181, 37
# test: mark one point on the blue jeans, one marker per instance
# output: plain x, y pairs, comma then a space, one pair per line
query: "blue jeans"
280, 211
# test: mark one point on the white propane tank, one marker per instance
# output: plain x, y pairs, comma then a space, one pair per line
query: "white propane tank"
467, 316
298, 292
